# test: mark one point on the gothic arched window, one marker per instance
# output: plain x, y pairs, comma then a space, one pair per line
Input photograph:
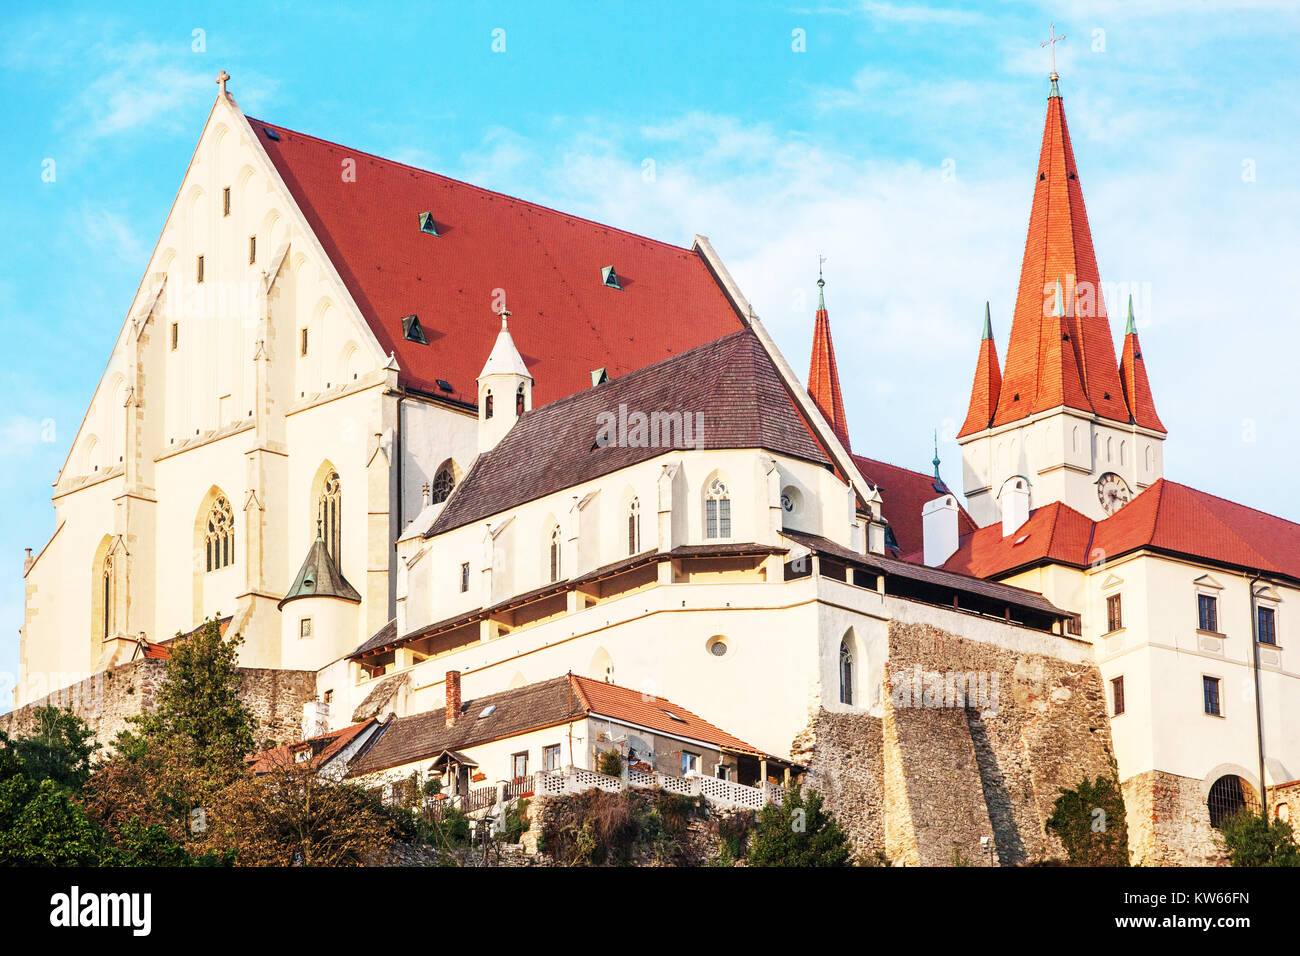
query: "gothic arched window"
717, 511
487, 405
634, 527
443, 483
519, 399
555, 553
330, 513
107, 595
220, 537
846, 673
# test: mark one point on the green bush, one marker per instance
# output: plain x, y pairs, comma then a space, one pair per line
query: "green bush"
1089, 821
1250, 841
798, 833
610, 762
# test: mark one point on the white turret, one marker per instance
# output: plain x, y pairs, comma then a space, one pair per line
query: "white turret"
505, 390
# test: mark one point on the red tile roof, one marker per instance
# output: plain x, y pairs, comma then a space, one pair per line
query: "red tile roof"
903, 493
324, 748
1137, 390
1167, 517
824, 377
566, 320
654, 713
1067, 359
987, 386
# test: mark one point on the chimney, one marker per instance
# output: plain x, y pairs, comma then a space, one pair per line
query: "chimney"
939, 529
27, 561
875, 536
453, 697
1015, 505
315, 717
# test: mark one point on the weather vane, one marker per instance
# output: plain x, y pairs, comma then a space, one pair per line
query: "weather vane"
1051, 41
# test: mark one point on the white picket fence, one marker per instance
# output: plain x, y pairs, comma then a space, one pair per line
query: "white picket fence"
722, 792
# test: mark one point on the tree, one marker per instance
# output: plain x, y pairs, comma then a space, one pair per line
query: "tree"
59, 749
798, 832
41, 824
1089, 821
290, 815
1252, 841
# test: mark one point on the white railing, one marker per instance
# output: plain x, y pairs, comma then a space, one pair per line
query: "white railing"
722, 792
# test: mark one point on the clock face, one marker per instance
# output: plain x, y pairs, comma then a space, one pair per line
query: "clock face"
1113, 492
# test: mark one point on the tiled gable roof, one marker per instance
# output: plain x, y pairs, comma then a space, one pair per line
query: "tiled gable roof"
732, 384
324, 748
566, 322
1166, 516
534, 707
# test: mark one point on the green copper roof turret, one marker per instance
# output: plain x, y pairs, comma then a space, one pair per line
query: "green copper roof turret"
319, 576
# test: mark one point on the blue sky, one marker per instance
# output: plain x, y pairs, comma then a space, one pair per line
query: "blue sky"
900, 142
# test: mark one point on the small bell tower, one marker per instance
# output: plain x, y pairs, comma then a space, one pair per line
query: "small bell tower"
505, 389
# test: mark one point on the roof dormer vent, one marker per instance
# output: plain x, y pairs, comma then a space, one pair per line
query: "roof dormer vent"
427, 225
610, 278
412, 330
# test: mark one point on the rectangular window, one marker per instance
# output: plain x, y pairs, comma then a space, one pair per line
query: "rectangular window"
519, 765
302, 348
1267, 625
252, 249
1117, 696
1210, 685
1207, 607
304, 628
198, 269
724, 772
690, 763
717, 518
464, 577
1114, 613
551, 757
225, 201
176, 335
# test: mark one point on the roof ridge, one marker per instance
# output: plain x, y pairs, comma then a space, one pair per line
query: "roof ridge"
461, 182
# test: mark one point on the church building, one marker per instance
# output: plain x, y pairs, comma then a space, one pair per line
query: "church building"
446, 452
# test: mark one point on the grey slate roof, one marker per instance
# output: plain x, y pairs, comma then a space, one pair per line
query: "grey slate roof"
319, 576
731, 382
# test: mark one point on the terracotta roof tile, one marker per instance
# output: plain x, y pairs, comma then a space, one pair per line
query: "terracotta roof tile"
324, 748
566, 322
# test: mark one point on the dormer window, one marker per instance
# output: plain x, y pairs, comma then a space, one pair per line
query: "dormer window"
412, 331
610, 278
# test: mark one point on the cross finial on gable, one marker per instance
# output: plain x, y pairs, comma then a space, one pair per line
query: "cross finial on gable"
222, 77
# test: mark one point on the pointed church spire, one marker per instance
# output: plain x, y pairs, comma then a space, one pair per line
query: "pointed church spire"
1133, 374
1061, 351
988, 382
823, 376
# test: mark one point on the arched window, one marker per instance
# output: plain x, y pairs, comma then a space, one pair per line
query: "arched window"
846, 673
1229, 796
634, 527
220, 537
330, 513
717, 511
107, 596
487, 405
555, 553
443, 483
519, 399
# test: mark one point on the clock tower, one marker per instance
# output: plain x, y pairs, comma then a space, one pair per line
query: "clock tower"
1064, 414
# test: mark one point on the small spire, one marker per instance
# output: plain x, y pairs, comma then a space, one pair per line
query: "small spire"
318, 530
935, 460
821, 284
1051, 41
222, 78
988, 324
1130, 328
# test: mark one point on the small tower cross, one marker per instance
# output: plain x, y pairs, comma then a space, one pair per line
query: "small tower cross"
1052, 40
222, 77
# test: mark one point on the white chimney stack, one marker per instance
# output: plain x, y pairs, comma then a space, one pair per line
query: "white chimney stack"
939, 529
1015, 505
315, 718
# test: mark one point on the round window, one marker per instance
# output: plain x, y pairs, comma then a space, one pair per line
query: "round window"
717, 647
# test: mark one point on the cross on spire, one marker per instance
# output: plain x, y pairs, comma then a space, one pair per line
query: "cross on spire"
1052, 40
222, 78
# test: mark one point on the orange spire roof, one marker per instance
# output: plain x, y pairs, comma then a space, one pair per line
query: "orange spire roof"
823, 377
1061, 351
988, 382
1133, 373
